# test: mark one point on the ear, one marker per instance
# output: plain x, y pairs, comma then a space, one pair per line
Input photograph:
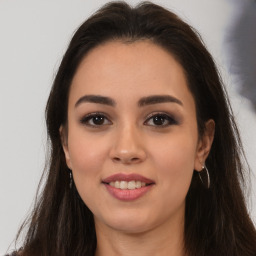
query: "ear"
64, 142
204, 145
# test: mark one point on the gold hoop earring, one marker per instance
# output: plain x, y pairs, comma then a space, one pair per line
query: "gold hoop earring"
205, 177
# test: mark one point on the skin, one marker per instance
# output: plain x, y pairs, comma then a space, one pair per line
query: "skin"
129, 140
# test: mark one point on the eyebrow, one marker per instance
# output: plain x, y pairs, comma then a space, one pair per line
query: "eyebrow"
156, 99
96, 99
149, 100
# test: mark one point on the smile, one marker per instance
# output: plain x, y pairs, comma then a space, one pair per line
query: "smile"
127, 187
127, 184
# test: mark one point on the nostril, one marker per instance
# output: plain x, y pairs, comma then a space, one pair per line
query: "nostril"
116, 159
126, 160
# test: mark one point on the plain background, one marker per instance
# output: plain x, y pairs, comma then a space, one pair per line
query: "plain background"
33, 37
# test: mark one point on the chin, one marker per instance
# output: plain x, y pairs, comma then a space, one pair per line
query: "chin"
129, 222
131, 228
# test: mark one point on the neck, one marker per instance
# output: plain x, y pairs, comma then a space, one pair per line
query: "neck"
158, 241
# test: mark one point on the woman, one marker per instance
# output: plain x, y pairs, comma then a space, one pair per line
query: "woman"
145, 154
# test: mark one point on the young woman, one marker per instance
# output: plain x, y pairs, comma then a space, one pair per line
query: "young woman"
145, 154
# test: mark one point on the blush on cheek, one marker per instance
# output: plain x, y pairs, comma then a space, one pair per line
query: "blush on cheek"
86, 161
177, 166
83, 153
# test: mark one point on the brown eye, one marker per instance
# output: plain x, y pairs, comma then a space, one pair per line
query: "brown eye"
98, 120
161, 120
95, 120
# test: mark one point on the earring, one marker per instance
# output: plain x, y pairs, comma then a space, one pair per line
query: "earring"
205, 177
70, 179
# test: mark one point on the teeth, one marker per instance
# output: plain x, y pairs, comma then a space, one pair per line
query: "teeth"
123, 184
131, 185
117, 184
127, 185
138, 184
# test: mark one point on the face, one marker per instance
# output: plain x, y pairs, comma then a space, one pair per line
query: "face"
132, 142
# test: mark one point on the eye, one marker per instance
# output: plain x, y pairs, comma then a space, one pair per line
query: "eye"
161, 120
95, 120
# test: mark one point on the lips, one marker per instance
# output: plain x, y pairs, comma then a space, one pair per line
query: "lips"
127, 177
127, 184
127, 187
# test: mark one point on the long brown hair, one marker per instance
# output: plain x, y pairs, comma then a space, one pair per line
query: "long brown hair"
216, 219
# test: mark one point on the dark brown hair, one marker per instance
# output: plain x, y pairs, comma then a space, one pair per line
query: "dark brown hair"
216, 219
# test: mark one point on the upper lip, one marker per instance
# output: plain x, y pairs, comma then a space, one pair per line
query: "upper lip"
127, 177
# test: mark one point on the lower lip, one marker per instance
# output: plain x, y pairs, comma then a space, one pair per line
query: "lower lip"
128, 194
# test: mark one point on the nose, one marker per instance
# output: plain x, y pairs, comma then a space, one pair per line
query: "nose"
128, 147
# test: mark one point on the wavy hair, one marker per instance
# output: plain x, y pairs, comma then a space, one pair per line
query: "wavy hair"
216, 219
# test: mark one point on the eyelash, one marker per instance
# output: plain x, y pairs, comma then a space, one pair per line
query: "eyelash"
165, 120
168, 120
85, 120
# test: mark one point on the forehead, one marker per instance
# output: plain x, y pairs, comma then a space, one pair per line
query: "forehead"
117, 68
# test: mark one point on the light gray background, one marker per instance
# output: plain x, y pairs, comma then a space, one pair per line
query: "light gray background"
33, 37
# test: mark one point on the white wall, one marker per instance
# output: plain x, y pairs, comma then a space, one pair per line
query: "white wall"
33, 37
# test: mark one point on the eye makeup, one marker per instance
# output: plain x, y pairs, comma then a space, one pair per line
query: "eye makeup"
160, 120
95, 120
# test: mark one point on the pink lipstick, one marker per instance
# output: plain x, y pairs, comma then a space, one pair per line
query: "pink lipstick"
127, 187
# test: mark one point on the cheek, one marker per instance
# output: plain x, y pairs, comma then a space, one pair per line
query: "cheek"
87, 155
86, 152
174, 161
